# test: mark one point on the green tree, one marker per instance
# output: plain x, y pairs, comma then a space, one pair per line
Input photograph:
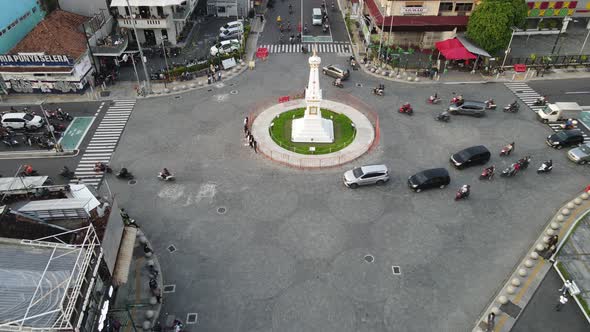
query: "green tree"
490, 23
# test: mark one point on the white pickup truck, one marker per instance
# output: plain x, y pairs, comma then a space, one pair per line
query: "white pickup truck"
552, 112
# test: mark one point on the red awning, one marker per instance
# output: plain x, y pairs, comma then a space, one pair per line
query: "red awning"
374, 11
452, 49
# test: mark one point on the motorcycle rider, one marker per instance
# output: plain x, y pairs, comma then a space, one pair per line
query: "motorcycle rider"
28, 170
165, 173
515, 168
490, 171
406, 107
379, 90
338, 82
569, 124
464, 190
433, 98
123, 173
524, 162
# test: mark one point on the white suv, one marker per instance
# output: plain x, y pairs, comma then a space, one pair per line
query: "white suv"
22, 121
364, 175
226, 46
233, 24
231, 33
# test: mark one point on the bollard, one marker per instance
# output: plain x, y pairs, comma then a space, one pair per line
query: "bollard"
502, 299
560, 218
416, 79
146, 325
529, 263
496, 311
565, 212
533, 255
510, 290
149, 314
549, 231
148, 254
584, 196
398, 76
192, 85
570, 205
515, 282
540, 247
554, 225
153, 300
166, 90
522, 272
577, 201
142, 239
546, 239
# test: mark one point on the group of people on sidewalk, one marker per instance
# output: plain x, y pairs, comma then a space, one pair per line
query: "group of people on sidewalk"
211, 76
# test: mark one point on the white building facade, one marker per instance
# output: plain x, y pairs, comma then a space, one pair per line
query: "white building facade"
155, 20
229, 8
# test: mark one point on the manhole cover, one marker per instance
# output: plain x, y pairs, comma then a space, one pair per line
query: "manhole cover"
132, 182
359, 85
209, 90
234, 92
221, 210
191, 318
171, 248
169, 288
396, 270
369, 258
177, 97
219, 85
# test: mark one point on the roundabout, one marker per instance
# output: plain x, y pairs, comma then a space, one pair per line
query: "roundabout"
313, 132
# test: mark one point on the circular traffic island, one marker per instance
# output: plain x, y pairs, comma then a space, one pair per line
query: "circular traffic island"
280, 132
354, 135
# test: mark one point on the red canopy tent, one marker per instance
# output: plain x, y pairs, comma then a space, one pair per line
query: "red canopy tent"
452, 49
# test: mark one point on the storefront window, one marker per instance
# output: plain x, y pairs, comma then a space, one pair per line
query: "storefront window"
464, 7
221, 9
445, 6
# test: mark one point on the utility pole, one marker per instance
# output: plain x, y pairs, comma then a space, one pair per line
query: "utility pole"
382, 28
49, 127
145, 72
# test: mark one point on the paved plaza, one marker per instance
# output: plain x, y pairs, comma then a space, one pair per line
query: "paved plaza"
262, 247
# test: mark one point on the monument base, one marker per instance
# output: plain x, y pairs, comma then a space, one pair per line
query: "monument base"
318, 130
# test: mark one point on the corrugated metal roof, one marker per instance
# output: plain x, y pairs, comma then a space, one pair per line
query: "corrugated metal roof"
20, 183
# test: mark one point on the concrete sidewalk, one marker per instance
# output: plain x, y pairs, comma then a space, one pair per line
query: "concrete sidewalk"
521, 285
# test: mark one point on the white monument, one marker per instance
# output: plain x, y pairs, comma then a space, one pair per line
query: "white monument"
312, 128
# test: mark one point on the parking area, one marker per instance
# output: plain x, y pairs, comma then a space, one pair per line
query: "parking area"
82, 115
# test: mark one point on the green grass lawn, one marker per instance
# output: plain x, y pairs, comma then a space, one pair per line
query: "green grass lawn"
344, 132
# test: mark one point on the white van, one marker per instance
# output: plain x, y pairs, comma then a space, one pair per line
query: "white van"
316, 19
552, 112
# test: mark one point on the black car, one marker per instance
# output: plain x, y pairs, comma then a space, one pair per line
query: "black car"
468, 107
565, 138
475, 155
430, 178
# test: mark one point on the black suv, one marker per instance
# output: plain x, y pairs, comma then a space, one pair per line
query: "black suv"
475, 155
430, 178
565, 138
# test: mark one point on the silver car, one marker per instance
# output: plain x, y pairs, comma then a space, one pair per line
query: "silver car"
580, 155
364, 175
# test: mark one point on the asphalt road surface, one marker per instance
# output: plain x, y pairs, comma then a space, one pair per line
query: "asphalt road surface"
262, 247
564, 90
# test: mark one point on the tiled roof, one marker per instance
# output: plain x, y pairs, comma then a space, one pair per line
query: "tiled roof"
58, 34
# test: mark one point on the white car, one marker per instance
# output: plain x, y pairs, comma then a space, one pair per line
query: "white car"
231, 33
224, 47
21, 121
364, 175
233, 24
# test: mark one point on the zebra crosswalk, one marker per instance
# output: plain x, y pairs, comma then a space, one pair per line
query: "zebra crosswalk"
340, 48
525, 93
104, 141
529, 96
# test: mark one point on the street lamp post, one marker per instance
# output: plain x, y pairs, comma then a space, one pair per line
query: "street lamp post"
145, 72
49, 127
585, 40
382, 31
507, 51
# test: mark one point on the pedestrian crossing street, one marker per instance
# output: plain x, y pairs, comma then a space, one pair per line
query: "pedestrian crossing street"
529, 96
525, 94
104, 141
342, 48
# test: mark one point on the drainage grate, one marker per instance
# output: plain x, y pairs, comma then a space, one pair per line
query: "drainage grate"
234, 92
171, 248
209, 90
177, 97
132, 182
359, 85
191, 318
396, 270
221, 210
518, 91
369, 258
169, 288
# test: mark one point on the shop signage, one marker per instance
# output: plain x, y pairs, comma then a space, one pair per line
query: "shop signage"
413, 10
34, 60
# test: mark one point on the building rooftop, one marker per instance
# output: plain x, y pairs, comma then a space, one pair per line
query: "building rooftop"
59, 33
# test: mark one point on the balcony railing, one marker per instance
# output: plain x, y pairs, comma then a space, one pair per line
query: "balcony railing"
113, 45
144, 23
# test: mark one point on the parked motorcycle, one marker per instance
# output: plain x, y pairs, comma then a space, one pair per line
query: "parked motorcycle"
545, 167
444, 117
512, 108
